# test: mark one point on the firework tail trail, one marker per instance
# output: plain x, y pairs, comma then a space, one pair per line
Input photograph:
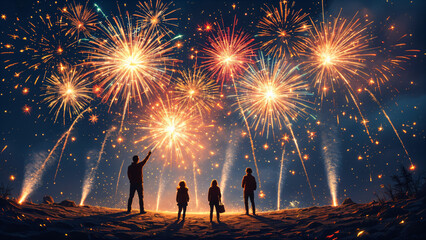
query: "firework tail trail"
160, 187
60, 157
393, 127
331, 156
88, 180
29, 184
249, 133
118, 178
280, 180
124, 111
229, 161
300, 155
195, 183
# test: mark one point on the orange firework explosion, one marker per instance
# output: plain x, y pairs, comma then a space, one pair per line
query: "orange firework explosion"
391, 55
129, 63
271, 93
337, 54
195, 90
171, 128
68, 92
44, 47
93, 118
229, 53
81, 19
156, 16
283, 30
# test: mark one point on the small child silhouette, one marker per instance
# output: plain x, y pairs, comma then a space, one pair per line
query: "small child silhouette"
182, 198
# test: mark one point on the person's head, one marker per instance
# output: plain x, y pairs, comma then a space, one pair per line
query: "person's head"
248, 170
182, 184
214, 183
135, 159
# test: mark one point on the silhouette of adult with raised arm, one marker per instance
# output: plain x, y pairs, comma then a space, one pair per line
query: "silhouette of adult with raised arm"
135, 175
249, 185
214, 199
182, 199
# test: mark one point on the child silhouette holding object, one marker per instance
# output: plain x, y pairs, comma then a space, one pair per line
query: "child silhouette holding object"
182, 199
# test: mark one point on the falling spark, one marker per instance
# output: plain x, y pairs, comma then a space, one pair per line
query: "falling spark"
393, 127
91, 171
283, 30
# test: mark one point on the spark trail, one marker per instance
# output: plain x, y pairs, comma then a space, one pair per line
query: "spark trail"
300, 155
332, 156
33, 178
281, 179
194, 166
393, 127
90, 174
229, 162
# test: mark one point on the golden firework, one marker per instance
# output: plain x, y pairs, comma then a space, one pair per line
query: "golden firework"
195, 89
81, 19
156, 16
67, 92
283, 30
272, 93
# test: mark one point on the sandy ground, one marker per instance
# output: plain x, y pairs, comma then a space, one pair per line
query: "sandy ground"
392, 220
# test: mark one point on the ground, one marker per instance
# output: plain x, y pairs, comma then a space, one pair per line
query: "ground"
392, 220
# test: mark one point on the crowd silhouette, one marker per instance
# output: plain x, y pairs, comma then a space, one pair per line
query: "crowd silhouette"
135, 175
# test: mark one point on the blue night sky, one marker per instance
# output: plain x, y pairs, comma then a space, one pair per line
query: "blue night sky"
363, 164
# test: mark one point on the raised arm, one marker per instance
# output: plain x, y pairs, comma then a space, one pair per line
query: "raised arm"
146, 159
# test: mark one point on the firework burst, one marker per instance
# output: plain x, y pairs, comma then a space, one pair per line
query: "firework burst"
171, 128
129, 64
337, 54
156, 16
195, 89
67, 92
45, 48
271, 93
283, 30
81, 19
229, 53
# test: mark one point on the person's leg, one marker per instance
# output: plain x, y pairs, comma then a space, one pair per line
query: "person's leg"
246, 202
184, 212
217, 212
252, 203
131, 195
140, 195
211, 212
180, 209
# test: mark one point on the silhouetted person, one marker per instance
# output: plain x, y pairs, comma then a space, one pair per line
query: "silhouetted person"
182, 198
135, 175
249, 185
214, 199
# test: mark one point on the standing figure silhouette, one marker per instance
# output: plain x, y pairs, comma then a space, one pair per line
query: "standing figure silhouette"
249, 185
182, 199
214, 199
135, 175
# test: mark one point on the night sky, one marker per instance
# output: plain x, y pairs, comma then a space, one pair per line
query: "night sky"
364, 165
